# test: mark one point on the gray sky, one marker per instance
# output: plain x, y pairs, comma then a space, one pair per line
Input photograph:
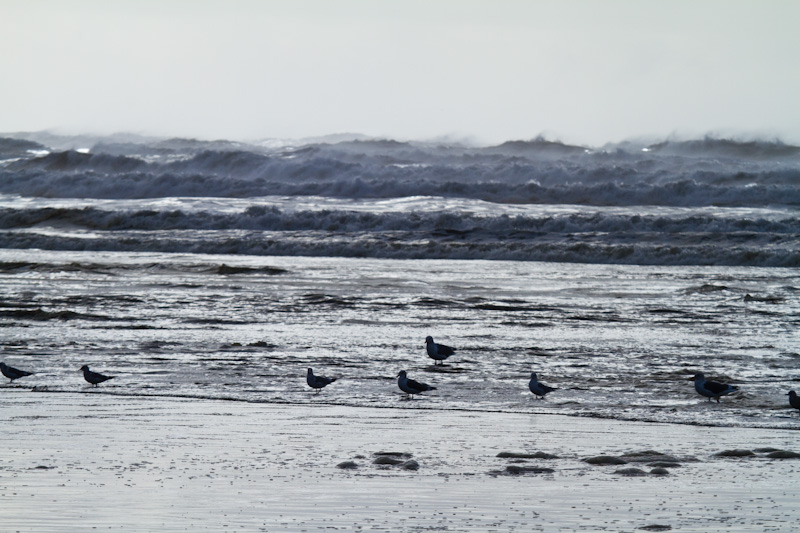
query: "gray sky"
580, 71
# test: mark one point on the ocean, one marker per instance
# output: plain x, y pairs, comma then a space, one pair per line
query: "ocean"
217, 269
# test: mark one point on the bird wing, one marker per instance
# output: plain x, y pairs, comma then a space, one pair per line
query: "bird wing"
717, 388
16, 372
446, 350
97, 377
417, 385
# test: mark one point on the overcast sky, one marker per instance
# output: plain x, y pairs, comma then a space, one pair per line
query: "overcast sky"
581, 71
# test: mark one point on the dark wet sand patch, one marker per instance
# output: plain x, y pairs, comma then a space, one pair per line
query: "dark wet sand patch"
522, 455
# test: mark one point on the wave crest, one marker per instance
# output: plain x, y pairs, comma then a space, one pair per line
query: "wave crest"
689, 173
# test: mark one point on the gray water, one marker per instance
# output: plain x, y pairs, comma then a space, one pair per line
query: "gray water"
618, 341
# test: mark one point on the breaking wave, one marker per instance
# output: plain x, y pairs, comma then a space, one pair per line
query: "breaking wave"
721, 201
259, 230
538, 172
270, 218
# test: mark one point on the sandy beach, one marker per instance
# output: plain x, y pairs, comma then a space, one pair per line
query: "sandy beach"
93, 461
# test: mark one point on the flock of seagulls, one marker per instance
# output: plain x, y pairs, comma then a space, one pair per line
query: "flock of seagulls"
15, 373
440, 352
437, 352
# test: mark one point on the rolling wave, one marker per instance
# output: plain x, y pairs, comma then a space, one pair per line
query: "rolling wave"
270, 218
702, 202
779, 188
697, 173
640, 253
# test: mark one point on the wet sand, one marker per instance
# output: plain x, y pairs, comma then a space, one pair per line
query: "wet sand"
89, 461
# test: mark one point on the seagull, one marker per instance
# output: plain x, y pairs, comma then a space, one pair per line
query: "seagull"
438, 352
94, 377
794, 401
711, 389
13, 373
539, 389
317, 382
411, 387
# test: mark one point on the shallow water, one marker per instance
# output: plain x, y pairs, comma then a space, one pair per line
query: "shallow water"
617, 341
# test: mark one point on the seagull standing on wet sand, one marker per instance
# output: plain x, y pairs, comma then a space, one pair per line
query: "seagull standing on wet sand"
94, 377
794, 401
13, 373
411, 387
317, 382
437, 352
539, 389
711, 389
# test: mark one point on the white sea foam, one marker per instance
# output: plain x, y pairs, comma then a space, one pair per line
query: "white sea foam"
418, 227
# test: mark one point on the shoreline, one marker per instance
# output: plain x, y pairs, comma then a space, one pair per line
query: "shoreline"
321, 402
121, 462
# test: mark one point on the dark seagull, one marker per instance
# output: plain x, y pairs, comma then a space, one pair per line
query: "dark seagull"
94, 377
794, 401
437, 352
13, 373
411, 387
318, 382
539, 389
711, 389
